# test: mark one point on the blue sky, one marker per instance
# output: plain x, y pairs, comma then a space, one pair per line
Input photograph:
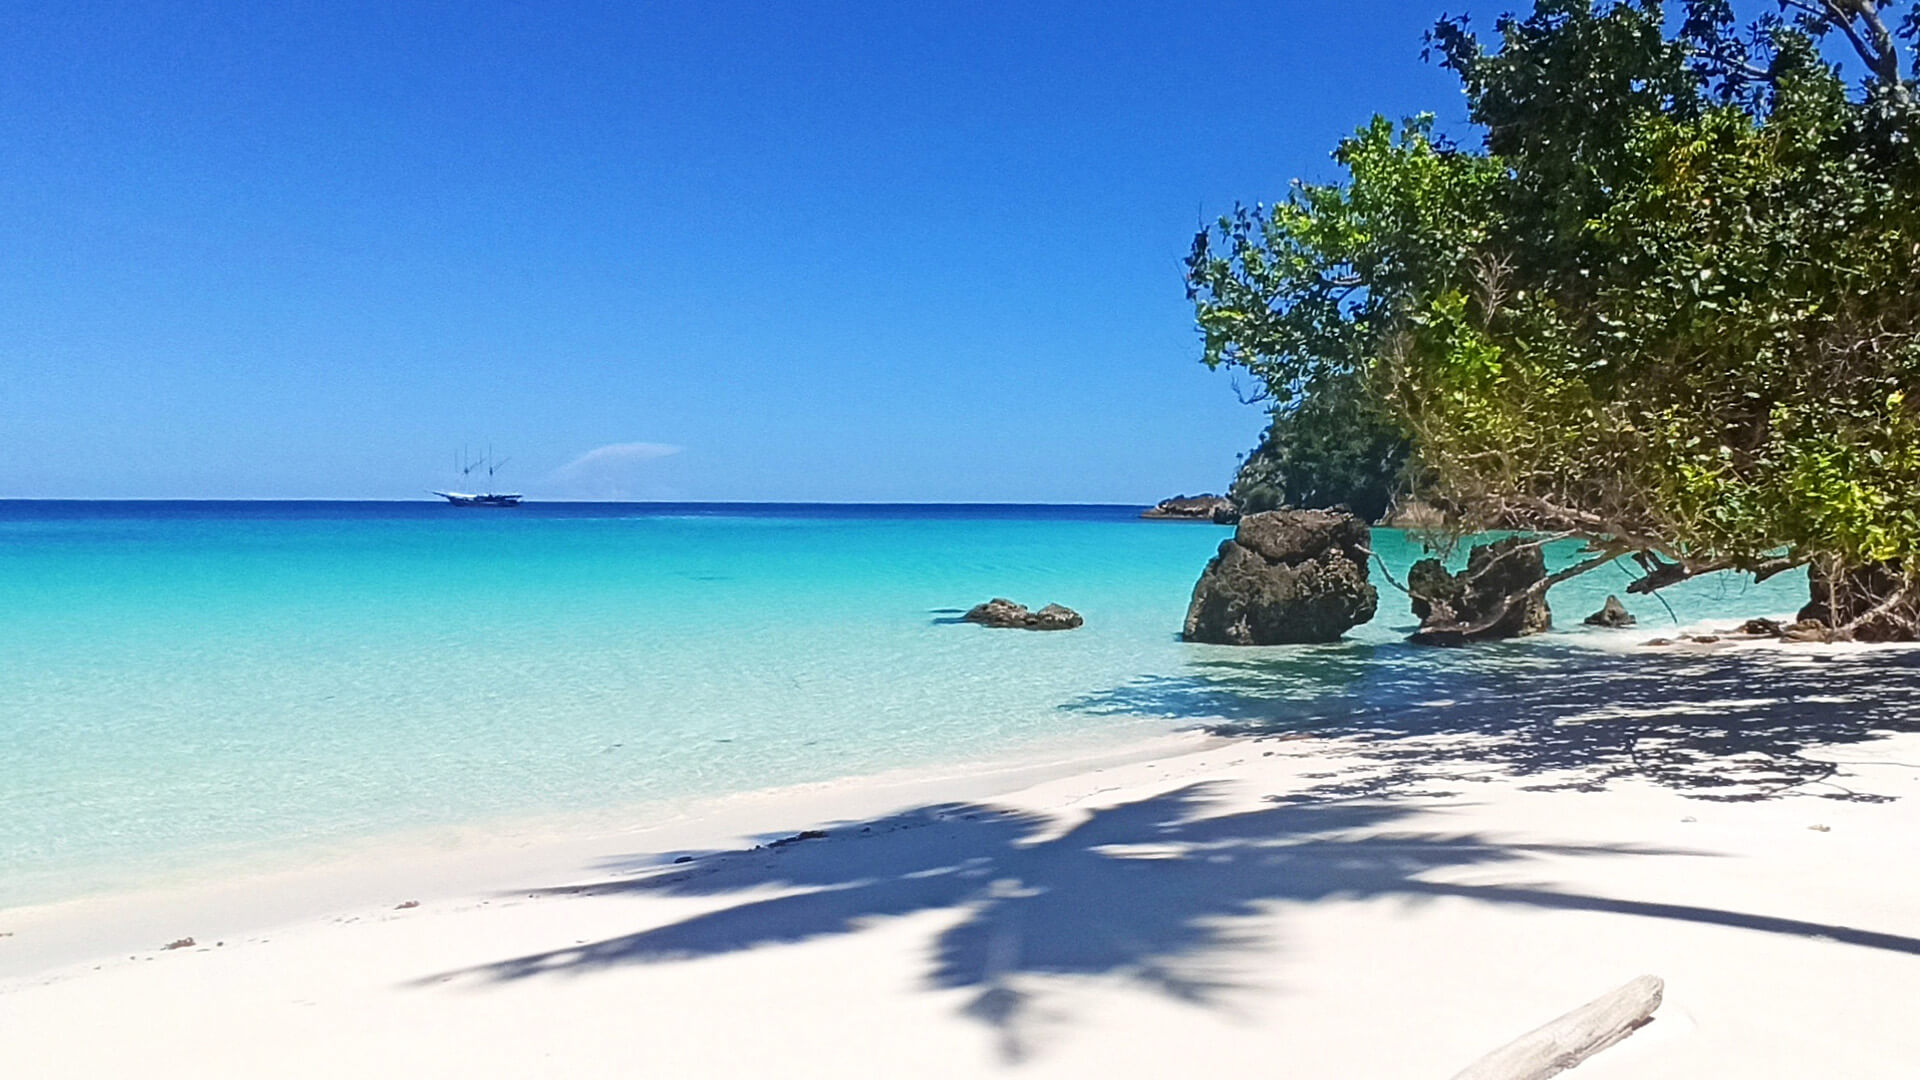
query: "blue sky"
700, 250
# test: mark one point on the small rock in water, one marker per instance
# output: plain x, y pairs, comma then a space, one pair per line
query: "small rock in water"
1705, 639
1821, 828
183, 943
406, 905
684, 858
1003, 613
1659, 641
1762, 628
1613, 614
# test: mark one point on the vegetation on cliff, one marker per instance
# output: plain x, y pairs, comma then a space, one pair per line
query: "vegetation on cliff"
1333, 448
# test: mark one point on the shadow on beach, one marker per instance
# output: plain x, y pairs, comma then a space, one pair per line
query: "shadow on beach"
1160, 892
1148, 890
1731, 726
1163, 891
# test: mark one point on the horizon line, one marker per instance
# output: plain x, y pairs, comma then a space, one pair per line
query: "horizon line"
563, 502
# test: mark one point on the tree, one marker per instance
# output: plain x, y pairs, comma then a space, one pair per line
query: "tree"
1668, 305
1300, 295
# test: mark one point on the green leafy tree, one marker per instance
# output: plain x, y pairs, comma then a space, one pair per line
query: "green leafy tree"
1300, 293
1669, 306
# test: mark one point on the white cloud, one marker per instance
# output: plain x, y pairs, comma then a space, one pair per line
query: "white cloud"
609, 472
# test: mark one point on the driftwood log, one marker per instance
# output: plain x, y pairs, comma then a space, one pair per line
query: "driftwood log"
1566, 1042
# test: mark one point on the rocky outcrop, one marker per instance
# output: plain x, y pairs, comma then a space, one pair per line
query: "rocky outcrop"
1428, 582
1864, 604
1287, 577
1217, 509
1003, 613
1501, 594
1613, 615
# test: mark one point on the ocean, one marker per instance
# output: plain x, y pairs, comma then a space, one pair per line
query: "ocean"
196, 684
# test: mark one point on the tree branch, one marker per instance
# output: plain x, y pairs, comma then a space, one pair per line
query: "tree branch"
1663, 574
1875, 48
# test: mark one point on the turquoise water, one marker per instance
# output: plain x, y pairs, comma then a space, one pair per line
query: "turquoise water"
187, 683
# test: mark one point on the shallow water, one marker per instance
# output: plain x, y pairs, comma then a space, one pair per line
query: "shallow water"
183, 683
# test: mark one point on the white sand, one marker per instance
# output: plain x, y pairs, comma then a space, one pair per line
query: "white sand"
1152, 914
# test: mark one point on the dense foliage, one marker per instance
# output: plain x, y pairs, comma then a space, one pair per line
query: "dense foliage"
1672, 304
1335, 448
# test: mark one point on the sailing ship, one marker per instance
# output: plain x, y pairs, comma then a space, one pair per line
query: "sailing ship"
491, 498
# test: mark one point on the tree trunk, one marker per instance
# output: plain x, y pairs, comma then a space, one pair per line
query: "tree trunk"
1573, 1038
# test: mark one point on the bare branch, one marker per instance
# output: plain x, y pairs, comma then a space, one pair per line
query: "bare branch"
1660, 575
1263, 394
1875, 46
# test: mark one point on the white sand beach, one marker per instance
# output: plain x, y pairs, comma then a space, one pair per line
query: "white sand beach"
1197, 906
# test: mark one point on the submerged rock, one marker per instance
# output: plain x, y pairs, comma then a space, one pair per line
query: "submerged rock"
1287, 577
1215, 508
1612, 614
1498, 595
1003, 613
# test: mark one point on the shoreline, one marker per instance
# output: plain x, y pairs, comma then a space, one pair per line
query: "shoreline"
474, 855
478, 857
264, 858
1192, 900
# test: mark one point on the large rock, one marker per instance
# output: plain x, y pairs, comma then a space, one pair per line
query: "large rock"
1862, 603
1496, 596
1287, 577
1004, 613
1215, 508
1428, 582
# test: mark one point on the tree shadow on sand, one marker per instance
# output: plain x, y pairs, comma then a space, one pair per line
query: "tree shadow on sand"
1729, 726
1159, 891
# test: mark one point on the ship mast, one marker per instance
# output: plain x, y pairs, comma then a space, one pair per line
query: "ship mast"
493, 467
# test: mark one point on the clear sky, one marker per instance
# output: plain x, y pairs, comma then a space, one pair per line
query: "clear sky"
682, 249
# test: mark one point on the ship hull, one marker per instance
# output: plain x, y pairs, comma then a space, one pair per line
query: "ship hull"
489, 501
